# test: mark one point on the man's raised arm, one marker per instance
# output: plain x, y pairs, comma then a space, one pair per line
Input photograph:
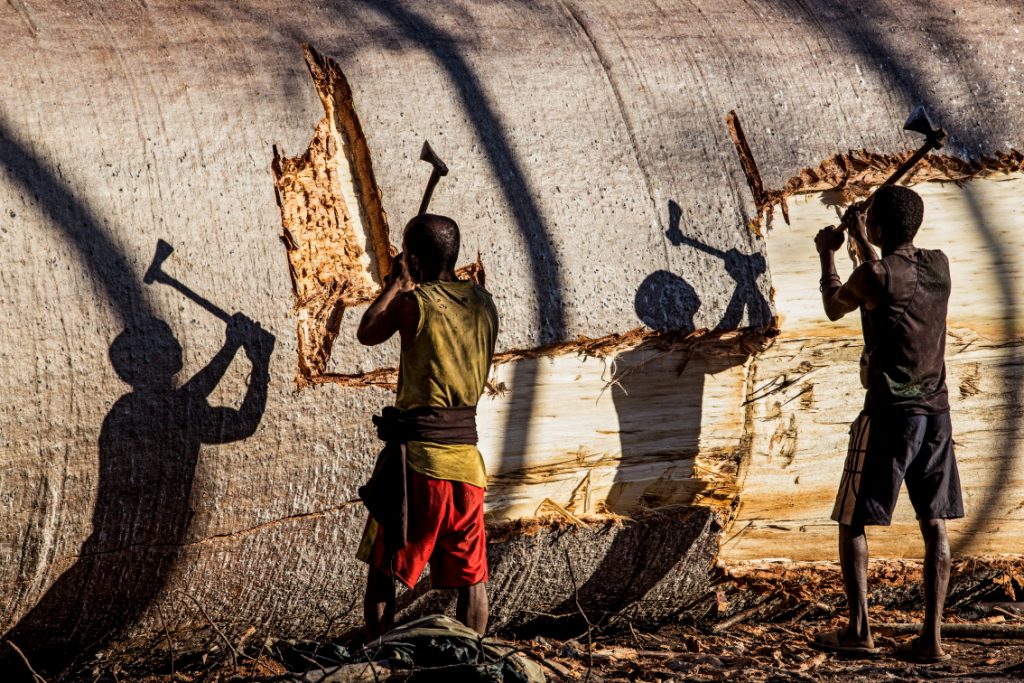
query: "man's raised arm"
394, 309
863, 287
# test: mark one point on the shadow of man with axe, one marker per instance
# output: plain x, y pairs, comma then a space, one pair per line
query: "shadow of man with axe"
149, 447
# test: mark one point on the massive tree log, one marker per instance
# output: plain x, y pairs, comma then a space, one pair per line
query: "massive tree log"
591, 170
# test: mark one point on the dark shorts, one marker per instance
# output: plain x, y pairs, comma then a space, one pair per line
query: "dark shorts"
888, 450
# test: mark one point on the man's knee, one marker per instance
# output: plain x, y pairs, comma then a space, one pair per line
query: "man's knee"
851, 530
379, 585
474, 591
933, 528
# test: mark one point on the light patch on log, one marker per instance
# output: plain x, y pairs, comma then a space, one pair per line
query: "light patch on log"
786, 502
617, 425
644, 428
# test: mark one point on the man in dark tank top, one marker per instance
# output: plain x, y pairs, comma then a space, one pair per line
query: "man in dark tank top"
904, 432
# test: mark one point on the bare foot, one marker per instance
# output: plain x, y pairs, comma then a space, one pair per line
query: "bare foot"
922, 651
844, 642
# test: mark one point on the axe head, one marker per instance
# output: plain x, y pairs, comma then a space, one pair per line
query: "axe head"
163, 250
428, 155
919, 122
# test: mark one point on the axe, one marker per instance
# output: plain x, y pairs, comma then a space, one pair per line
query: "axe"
917, 122
440, 169
155, 273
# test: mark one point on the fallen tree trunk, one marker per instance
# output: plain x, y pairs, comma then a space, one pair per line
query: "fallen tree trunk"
163, 512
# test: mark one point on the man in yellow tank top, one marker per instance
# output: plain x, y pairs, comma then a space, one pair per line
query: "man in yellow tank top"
426, 495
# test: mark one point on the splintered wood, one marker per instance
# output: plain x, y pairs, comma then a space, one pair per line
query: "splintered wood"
334, 227
845, 178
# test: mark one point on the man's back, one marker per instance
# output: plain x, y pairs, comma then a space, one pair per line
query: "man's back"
445, 365
905, 335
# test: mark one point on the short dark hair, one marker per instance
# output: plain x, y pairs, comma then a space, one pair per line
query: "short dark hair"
434, 240
898, 211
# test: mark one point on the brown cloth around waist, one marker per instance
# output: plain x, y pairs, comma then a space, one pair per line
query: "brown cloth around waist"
386, 494
439, 425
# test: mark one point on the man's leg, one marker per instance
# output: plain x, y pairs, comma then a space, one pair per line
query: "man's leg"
471, 607
853, 558
936, 579
379, 604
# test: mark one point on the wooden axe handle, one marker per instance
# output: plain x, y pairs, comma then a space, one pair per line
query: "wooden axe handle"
435, 175
933, 142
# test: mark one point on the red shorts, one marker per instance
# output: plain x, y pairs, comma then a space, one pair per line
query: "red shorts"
446, 529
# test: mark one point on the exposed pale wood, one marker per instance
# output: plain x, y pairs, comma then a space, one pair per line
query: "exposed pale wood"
806, 389
645, 428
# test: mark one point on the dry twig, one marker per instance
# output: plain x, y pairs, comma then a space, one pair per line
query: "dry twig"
167, 634
231, 648
35, 677
590, 626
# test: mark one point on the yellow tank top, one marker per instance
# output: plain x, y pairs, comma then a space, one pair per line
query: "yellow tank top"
446, 366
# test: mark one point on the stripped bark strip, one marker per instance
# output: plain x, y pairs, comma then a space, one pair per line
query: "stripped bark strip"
853, 175
764, 200
334, 228
746, 341
336, 94
746, 158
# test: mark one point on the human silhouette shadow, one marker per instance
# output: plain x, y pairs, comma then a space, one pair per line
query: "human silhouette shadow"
658, 398
744, 269
149, 446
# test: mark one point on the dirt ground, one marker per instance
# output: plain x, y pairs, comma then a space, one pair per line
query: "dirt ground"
773, 652
676, 653
755, 624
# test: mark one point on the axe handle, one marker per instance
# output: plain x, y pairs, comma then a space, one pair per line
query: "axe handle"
929, 144
435, 175
215, 310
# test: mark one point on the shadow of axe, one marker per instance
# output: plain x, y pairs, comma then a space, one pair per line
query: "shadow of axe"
155, 273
